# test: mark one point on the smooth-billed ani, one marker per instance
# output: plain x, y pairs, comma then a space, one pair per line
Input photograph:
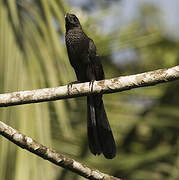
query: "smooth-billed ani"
86, 63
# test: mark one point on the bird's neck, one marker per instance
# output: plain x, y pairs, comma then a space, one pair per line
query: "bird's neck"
74, 29
71, 27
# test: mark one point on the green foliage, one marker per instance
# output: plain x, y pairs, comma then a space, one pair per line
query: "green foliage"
144, 121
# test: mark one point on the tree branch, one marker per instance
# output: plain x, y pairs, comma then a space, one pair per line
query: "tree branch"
49, 94
50, 155
105, 86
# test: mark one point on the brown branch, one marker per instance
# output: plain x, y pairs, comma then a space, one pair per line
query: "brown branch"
50, 155
105, 86
49, 94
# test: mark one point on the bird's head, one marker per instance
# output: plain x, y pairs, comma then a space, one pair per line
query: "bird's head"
71, 21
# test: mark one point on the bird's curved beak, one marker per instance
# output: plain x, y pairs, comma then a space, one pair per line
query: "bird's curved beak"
66, 15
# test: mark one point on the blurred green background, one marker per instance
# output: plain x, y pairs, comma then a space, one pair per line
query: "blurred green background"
131, 37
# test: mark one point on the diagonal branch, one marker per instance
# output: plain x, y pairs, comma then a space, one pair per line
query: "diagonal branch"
105, 86
49, 94
50, 155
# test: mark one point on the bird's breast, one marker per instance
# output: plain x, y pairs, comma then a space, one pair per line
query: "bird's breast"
77, 42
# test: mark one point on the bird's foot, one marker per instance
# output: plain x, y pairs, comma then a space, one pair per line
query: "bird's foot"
69, 86
91, 83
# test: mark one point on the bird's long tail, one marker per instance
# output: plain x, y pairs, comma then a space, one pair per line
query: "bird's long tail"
100, 137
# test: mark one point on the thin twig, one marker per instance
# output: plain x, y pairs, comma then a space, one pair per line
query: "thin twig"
105, 86
50, 155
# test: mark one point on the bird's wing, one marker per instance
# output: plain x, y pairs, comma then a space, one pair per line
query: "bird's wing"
95, 62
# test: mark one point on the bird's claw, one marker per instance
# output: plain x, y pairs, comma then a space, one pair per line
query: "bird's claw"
91, 83
69, 86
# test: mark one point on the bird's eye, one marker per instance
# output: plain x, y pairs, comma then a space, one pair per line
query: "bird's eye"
75, 19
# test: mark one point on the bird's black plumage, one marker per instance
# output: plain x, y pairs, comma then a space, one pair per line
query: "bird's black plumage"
86, 63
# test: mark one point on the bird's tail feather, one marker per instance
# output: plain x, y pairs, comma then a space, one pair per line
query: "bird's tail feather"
100, 136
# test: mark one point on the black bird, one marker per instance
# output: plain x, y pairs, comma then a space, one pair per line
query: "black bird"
86, 63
